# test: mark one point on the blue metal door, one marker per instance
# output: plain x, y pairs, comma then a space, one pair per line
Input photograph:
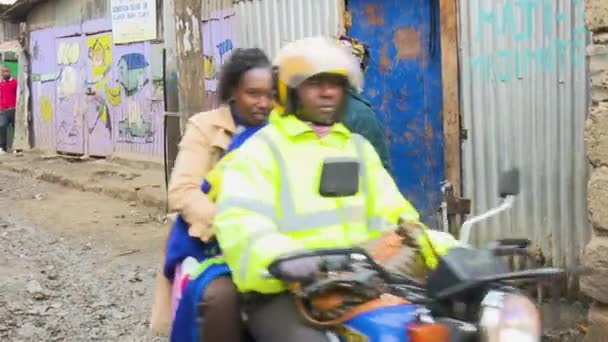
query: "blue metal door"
403, 84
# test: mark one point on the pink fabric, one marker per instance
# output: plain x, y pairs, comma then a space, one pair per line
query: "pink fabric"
183, 271
321, 130
176, 291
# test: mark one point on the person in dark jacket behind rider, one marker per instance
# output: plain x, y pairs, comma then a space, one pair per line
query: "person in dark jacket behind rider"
361, 118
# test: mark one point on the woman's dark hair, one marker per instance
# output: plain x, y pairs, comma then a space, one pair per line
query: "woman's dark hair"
240, 61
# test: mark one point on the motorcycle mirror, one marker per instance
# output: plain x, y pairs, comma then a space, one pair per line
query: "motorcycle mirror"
509, 183
508, 188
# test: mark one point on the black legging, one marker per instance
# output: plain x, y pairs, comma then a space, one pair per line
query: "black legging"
275, 319
7, 117
219, 313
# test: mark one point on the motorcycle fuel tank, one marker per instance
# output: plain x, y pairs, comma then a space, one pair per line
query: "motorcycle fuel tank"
385, 324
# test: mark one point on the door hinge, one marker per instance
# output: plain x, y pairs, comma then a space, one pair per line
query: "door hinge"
464, 134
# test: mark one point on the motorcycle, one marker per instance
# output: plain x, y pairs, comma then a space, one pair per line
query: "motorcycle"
469, 296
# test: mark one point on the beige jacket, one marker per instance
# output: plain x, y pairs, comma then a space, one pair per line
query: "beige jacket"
207, 136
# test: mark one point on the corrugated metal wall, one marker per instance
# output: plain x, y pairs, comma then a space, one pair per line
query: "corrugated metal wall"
66, 12
210, 6
266, 24
93, 9
9, 31
524, 100
42, 16
270, 24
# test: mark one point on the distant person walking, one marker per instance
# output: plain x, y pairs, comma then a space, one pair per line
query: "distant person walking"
8, 101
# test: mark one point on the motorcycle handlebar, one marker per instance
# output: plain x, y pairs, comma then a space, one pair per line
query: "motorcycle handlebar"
274, 269
527, 274
392, 278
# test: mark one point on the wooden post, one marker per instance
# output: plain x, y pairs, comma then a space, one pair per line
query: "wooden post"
23, 114
451, 104
189, 56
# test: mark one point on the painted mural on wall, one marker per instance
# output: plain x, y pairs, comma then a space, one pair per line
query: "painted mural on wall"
69, 122
100, 97
46, 109
43, 64
218, 42
137, 127
99, 121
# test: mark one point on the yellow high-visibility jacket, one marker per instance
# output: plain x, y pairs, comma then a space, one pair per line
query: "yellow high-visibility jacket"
269, 202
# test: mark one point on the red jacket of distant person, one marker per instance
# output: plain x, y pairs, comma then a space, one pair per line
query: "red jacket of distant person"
8, 93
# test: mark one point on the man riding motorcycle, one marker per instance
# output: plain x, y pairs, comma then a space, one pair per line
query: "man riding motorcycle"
270, 204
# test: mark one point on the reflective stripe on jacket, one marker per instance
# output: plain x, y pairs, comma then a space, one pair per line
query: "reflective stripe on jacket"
269, 203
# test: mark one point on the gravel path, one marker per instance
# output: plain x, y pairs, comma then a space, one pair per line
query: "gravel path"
57, 287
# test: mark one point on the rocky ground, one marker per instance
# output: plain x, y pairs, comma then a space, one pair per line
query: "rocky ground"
74, 266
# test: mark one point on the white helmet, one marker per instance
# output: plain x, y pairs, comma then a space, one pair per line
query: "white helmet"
305, 58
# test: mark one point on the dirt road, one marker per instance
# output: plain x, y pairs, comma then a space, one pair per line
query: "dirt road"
74, 266
79, 266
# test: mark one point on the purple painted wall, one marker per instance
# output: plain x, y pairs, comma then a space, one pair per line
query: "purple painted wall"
138, 118
44, 61
93, 97
98, 84
69, 100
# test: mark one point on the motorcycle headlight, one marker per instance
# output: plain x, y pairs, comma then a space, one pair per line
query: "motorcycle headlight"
509, 317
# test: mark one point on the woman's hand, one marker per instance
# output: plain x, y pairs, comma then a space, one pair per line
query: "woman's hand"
203, 231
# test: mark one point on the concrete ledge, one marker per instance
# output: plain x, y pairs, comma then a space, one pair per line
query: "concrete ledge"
130, 183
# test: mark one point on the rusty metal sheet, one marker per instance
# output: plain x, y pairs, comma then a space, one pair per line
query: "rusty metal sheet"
403, 85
